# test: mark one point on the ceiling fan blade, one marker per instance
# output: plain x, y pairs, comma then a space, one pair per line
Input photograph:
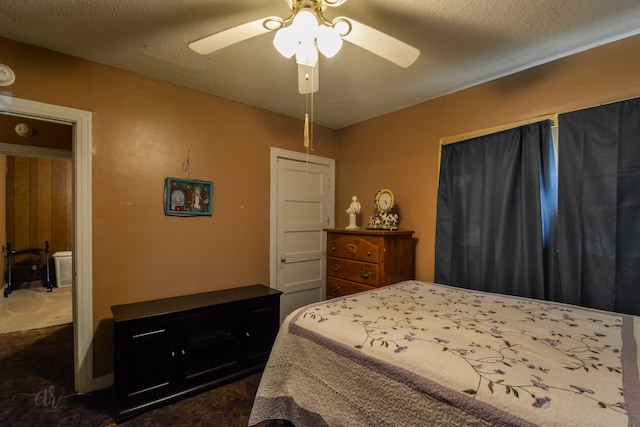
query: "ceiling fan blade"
222, 39
381, 44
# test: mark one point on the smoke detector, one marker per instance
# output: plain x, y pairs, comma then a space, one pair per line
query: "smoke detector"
7, 76
23, 129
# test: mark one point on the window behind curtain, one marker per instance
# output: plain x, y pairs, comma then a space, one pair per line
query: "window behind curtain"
489, 225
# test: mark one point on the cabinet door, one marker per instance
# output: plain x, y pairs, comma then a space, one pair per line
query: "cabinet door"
210, 346
261, 323
144, 366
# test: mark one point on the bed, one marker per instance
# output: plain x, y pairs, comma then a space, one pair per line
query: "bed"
417, 354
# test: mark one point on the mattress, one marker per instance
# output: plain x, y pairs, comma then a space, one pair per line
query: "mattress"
418, 353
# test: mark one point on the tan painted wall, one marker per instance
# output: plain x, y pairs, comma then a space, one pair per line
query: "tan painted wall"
142, 131
400, 150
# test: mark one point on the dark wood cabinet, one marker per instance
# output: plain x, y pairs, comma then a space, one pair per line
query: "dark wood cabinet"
170, 348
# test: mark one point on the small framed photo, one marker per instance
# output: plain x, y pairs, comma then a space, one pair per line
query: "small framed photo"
188, 197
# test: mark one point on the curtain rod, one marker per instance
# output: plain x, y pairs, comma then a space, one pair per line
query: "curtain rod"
482, 132
552, 116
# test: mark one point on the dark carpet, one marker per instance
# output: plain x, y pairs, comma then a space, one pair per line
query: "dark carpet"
36, 389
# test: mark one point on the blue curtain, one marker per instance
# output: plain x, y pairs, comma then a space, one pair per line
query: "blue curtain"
496, 201
599, 207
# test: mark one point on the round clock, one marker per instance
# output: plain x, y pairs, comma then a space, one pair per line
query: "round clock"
384, 200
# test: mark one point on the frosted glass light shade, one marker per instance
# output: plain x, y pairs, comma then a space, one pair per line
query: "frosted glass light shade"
305, 24
286, 42
307, 54
329, 41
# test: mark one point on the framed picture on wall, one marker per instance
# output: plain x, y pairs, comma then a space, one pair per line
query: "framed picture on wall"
188, 197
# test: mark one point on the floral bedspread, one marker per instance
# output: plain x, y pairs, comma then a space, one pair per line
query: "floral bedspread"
545, 363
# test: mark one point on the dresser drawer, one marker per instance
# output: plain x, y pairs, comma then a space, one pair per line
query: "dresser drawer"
356, 271
353, 247
339, 288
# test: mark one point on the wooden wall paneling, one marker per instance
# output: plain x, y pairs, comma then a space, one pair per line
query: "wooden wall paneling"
3, 201
32, 205
61, 206
58, 210
43, 206
69, 205
38, 203
22, 203
9, 201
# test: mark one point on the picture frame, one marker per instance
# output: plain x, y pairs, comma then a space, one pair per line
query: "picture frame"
188, 197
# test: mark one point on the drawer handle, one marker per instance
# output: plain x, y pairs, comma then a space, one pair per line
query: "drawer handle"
351, 248
336, 267
335, 289
366, 274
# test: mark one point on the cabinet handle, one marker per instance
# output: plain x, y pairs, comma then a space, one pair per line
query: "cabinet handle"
336, 267
173, 354
335, 289
146, 334
333, 248
183, 352
247, 334
366, 274
351, 248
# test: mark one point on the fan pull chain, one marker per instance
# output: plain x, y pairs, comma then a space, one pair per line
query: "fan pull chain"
311, 133
308, 118
306, 131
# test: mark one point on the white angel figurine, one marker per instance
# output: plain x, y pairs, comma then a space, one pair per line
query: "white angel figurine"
354, 209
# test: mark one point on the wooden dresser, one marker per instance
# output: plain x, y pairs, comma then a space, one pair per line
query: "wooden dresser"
360, 260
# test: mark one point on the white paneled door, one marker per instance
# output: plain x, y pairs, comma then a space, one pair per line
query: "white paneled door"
304, 207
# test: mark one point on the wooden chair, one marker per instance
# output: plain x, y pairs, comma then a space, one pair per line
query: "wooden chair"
27, 265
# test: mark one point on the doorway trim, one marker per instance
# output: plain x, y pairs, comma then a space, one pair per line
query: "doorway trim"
82, 229
279, 153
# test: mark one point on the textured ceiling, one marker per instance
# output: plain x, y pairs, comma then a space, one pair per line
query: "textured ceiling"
462, 43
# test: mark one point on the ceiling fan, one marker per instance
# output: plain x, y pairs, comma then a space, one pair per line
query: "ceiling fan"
305, 32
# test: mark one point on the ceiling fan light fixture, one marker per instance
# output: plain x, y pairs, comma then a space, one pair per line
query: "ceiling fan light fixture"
308, 81
307, 54
285, 42
342, 26
328, 41
305, 24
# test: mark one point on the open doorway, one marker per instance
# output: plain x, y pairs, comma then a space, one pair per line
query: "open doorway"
36, 224
82, 229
